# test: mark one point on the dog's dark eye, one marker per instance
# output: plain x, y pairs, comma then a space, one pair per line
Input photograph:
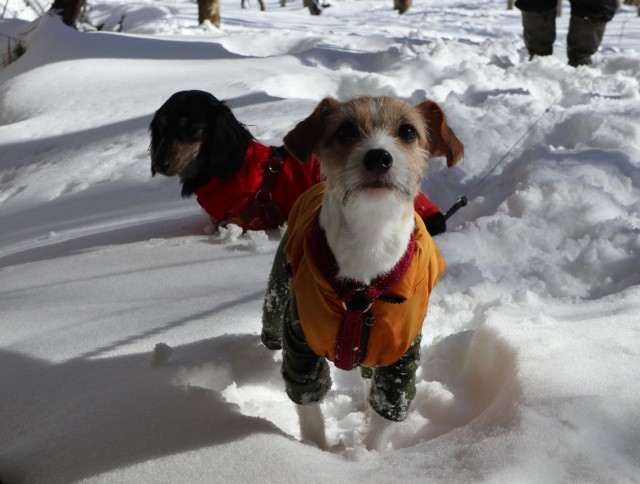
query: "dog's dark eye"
196, 133
407, 133
347, 133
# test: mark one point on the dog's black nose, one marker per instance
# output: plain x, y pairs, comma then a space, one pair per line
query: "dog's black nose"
378, 161
160, 164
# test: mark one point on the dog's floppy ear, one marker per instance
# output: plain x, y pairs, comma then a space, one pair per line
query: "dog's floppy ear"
443, 140
159, 121
224, 142
301, 141
156, 137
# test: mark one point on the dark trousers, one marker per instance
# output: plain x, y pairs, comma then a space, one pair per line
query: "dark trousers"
586, 27
594, 10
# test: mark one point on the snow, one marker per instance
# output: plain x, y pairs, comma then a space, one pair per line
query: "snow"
130, 348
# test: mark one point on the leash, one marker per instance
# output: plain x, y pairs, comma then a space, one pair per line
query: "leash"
624, 25
462, 200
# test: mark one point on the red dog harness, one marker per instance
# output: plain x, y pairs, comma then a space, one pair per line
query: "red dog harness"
357, 300
226, 199
259, 196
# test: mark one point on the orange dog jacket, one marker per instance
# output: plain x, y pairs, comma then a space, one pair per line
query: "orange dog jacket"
396, 324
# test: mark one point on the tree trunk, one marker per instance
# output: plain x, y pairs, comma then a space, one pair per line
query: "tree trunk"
209, 10
69, 10
633, 2
510, 4
402, 5
313, 6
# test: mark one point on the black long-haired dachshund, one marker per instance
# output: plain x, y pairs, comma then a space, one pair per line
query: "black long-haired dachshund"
235, 179
196, 137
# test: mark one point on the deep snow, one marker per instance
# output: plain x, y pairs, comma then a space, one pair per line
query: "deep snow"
130, 345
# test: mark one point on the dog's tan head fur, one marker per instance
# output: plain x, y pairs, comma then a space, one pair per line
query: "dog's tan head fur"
344, 135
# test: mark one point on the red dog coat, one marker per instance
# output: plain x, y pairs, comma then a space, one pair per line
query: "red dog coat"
226, 198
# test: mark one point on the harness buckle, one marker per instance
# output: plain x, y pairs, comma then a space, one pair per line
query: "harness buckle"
263, 196
357, 303
275, 164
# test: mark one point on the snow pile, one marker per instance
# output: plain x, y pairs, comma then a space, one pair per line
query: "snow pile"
130, 346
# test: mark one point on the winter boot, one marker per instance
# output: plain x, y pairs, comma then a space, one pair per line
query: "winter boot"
539, 29
583, 40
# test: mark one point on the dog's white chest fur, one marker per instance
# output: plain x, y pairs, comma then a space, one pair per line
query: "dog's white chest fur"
368, 236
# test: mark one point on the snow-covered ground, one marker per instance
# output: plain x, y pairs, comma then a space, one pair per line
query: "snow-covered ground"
129, 343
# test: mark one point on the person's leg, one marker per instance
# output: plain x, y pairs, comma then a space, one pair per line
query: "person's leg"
586, 28
539, 32
583, 40
539, 25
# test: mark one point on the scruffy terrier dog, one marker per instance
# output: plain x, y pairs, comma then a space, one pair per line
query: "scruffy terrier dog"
360, 262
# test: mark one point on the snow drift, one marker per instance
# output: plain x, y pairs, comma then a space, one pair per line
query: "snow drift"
130, 337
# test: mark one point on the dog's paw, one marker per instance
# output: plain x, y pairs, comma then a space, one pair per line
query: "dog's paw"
311, 443
227, 234
339, 448
377, 437
312, 425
